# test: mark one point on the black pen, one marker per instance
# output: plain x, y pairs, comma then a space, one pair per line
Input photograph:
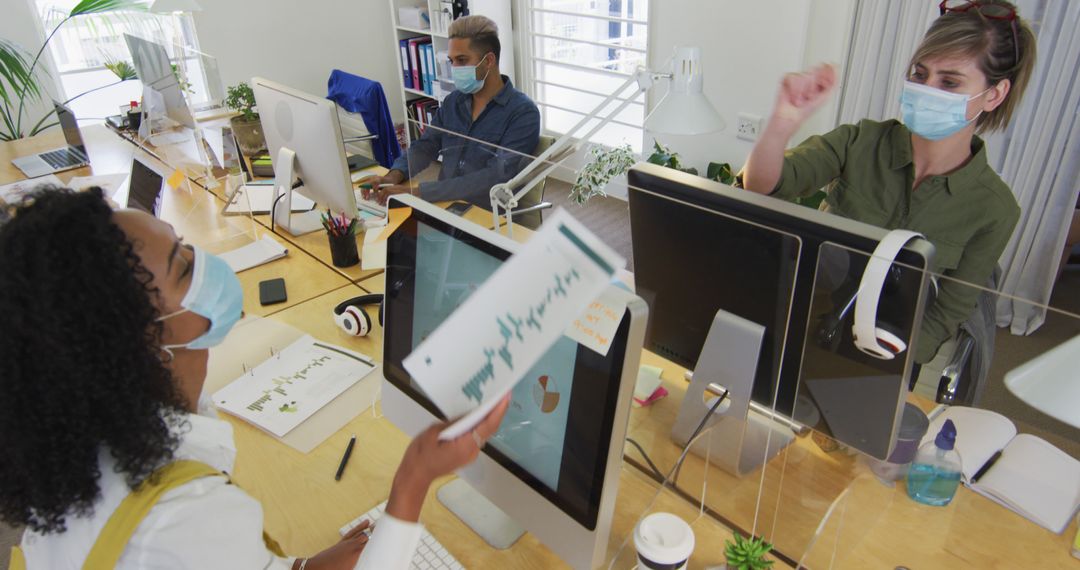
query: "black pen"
345, 458
986, 467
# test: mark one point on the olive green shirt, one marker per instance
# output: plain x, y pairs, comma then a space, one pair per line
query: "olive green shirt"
968, 214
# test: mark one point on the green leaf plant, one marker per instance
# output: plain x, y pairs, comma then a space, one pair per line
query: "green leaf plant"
747, 553
19, 74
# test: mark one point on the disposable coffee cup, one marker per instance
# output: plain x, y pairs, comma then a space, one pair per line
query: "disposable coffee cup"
913, 427
663, 542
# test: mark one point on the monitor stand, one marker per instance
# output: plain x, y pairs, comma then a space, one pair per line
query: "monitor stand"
740, 439
281, 212
475, 510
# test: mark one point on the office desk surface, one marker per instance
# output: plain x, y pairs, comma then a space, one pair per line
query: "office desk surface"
304, 506
877, 526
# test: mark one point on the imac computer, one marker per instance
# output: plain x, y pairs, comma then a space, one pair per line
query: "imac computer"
155, 71
303, 136
553, 467
766, 287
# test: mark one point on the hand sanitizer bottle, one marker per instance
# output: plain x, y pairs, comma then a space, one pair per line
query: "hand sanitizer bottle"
935, 472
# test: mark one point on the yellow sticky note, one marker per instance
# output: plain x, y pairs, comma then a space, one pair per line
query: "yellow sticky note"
175, 179
394, 218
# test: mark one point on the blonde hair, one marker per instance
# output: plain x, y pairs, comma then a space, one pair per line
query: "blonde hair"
482, 33
997, 51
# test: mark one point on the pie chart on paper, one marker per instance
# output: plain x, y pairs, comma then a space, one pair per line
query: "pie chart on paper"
545, 394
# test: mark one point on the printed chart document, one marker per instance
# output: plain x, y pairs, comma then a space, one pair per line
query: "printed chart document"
1031, 476
488, 344
12, 193
290, 386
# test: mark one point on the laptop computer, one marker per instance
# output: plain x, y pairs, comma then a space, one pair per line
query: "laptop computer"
144, 192
60, 159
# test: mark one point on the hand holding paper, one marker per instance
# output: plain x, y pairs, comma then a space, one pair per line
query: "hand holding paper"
485, 347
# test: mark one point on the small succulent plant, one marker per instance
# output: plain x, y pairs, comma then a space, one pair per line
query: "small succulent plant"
747, 553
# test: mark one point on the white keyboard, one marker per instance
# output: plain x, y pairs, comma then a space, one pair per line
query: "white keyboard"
369, 205
430, 555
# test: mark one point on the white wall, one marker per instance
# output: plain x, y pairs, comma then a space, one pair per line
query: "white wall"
747, 47
298, 43
20, 25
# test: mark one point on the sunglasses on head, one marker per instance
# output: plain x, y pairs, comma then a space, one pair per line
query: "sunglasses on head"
990, 11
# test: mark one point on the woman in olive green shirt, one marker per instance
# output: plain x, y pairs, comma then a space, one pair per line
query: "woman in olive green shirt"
929, 173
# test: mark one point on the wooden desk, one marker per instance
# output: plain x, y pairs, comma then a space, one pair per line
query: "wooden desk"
877, 526
304, 506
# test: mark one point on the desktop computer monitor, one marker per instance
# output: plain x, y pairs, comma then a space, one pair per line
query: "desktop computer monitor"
700, 247
151, 62
554, 465
308, 126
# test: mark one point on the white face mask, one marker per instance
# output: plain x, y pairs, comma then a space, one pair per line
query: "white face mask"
934, 114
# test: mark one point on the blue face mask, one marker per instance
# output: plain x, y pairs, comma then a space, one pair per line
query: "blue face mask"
215, 293
934, 114
465, 78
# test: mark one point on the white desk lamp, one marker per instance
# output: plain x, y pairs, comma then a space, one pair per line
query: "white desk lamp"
684, 111
1050, 382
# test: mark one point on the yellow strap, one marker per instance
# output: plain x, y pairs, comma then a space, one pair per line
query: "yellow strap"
18, 562
121, 525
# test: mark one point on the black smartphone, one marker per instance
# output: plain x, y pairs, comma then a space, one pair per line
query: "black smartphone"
272, 291
459, 208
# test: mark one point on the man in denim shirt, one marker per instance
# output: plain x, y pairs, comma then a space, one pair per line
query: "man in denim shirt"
486, 130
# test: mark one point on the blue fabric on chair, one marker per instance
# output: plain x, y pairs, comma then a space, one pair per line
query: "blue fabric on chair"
359, 95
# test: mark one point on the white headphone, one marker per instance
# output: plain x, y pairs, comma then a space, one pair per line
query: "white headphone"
869, 337
353, 319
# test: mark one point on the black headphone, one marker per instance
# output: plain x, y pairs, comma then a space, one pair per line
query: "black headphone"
351, 318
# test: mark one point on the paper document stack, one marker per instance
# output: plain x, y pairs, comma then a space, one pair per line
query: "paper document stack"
256, 253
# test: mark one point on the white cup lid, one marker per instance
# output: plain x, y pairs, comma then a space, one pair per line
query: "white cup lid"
664, 538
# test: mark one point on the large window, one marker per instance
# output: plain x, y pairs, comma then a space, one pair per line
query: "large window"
84, 45
577, 53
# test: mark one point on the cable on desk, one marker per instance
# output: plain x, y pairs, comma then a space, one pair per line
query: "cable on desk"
656, 470
704, 420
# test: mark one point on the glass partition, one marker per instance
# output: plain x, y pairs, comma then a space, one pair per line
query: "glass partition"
807, 466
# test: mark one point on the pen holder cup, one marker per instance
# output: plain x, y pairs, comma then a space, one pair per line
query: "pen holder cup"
913, 427
343, 250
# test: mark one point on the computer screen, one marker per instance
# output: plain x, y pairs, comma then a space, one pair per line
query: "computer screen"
70, 126
307, 125
144, 191
699, 246
556, 434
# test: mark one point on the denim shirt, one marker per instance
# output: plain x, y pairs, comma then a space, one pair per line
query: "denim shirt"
510, 130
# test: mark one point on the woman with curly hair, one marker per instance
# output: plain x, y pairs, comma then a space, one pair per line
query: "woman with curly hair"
107, 318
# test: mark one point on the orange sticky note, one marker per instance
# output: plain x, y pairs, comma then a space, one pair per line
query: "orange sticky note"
394, 218
175, 179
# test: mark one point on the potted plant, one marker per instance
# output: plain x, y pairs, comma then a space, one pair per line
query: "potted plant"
246, 126
747, 553
718, 171
605, 164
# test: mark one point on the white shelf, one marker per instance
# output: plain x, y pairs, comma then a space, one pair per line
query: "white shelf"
426, 32
417, 92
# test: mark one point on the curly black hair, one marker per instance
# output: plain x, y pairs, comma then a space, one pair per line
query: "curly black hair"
80, 367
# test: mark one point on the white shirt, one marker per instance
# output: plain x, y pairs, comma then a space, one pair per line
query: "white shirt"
205, 523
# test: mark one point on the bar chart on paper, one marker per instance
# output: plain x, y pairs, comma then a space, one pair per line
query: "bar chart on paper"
287, 388
488, 344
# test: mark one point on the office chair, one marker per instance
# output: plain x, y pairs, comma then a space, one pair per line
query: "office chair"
963, 378
530, 207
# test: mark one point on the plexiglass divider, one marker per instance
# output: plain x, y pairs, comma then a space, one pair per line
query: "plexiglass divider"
823, 497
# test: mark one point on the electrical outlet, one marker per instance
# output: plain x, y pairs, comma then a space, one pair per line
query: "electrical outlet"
748, 127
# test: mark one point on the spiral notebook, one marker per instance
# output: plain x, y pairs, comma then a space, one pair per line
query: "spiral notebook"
1031, 477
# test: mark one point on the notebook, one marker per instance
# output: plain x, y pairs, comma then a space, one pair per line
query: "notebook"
1031, 477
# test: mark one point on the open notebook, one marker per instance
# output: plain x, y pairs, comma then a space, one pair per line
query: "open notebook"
1032, 477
